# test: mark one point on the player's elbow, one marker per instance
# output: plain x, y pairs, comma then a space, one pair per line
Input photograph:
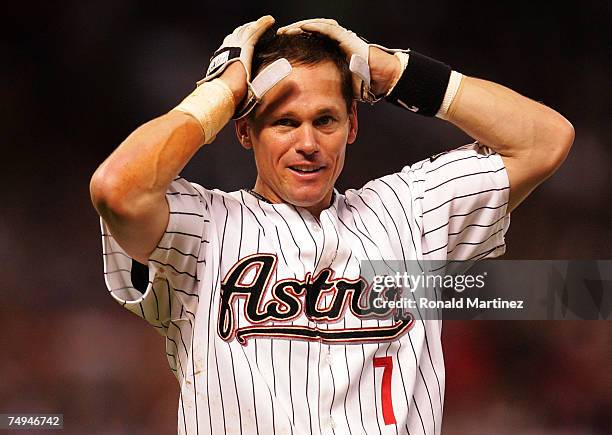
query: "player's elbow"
121, 200
561, 139
550, 143
567, 140
101, 192
108, 194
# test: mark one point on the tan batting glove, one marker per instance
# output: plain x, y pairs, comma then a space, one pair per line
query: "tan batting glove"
238, 47
357, 51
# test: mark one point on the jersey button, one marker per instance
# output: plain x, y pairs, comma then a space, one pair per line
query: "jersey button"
331, 423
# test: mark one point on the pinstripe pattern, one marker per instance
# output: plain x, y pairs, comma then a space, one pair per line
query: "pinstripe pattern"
449, 208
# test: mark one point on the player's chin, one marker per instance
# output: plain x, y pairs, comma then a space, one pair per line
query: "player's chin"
309, 196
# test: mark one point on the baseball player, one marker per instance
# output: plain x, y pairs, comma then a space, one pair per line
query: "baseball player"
259, 292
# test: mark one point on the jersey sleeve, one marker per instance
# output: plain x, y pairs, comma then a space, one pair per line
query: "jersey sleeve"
167, 287
463, 199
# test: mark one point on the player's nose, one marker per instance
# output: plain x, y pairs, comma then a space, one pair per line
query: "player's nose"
306, 140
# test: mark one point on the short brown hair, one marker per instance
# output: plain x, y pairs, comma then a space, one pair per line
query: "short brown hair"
303, 49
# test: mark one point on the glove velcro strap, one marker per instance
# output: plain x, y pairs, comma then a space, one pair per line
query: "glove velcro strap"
422, 86
360, 68
219, 61
262, 83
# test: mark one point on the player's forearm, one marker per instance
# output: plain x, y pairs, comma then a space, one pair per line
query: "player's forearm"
516, 127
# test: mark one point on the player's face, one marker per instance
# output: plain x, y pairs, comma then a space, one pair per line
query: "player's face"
299, 136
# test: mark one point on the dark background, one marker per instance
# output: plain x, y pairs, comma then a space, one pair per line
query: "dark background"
79, 76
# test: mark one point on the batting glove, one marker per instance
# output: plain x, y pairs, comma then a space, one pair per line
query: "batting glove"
239, 46
356, 48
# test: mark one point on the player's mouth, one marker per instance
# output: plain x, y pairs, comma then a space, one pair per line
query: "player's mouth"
305, 170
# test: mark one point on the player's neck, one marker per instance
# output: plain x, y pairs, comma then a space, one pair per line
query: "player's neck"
269, 197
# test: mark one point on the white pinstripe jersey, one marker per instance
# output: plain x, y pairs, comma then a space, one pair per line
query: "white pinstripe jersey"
254, 299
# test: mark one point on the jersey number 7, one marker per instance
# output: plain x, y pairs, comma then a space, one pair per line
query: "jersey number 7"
385, 393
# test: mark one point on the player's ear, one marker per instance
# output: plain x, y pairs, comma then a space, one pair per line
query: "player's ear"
243, 133
352, 123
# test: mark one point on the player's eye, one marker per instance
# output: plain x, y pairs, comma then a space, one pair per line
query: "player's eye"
285, 122
324, 121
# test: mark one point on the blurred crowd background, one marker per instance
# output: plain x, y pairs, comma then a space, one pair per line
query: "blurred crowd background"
79, 76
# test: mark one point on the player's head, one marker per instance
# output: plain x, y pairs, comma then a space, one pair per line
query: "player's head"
300, 129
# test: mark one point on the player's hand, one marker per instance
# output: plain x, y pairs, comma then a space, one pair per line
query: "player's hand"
238, 47
374, 67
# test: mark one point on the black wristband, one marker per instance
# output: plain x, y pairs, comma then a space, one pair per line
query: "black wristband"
422, 86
